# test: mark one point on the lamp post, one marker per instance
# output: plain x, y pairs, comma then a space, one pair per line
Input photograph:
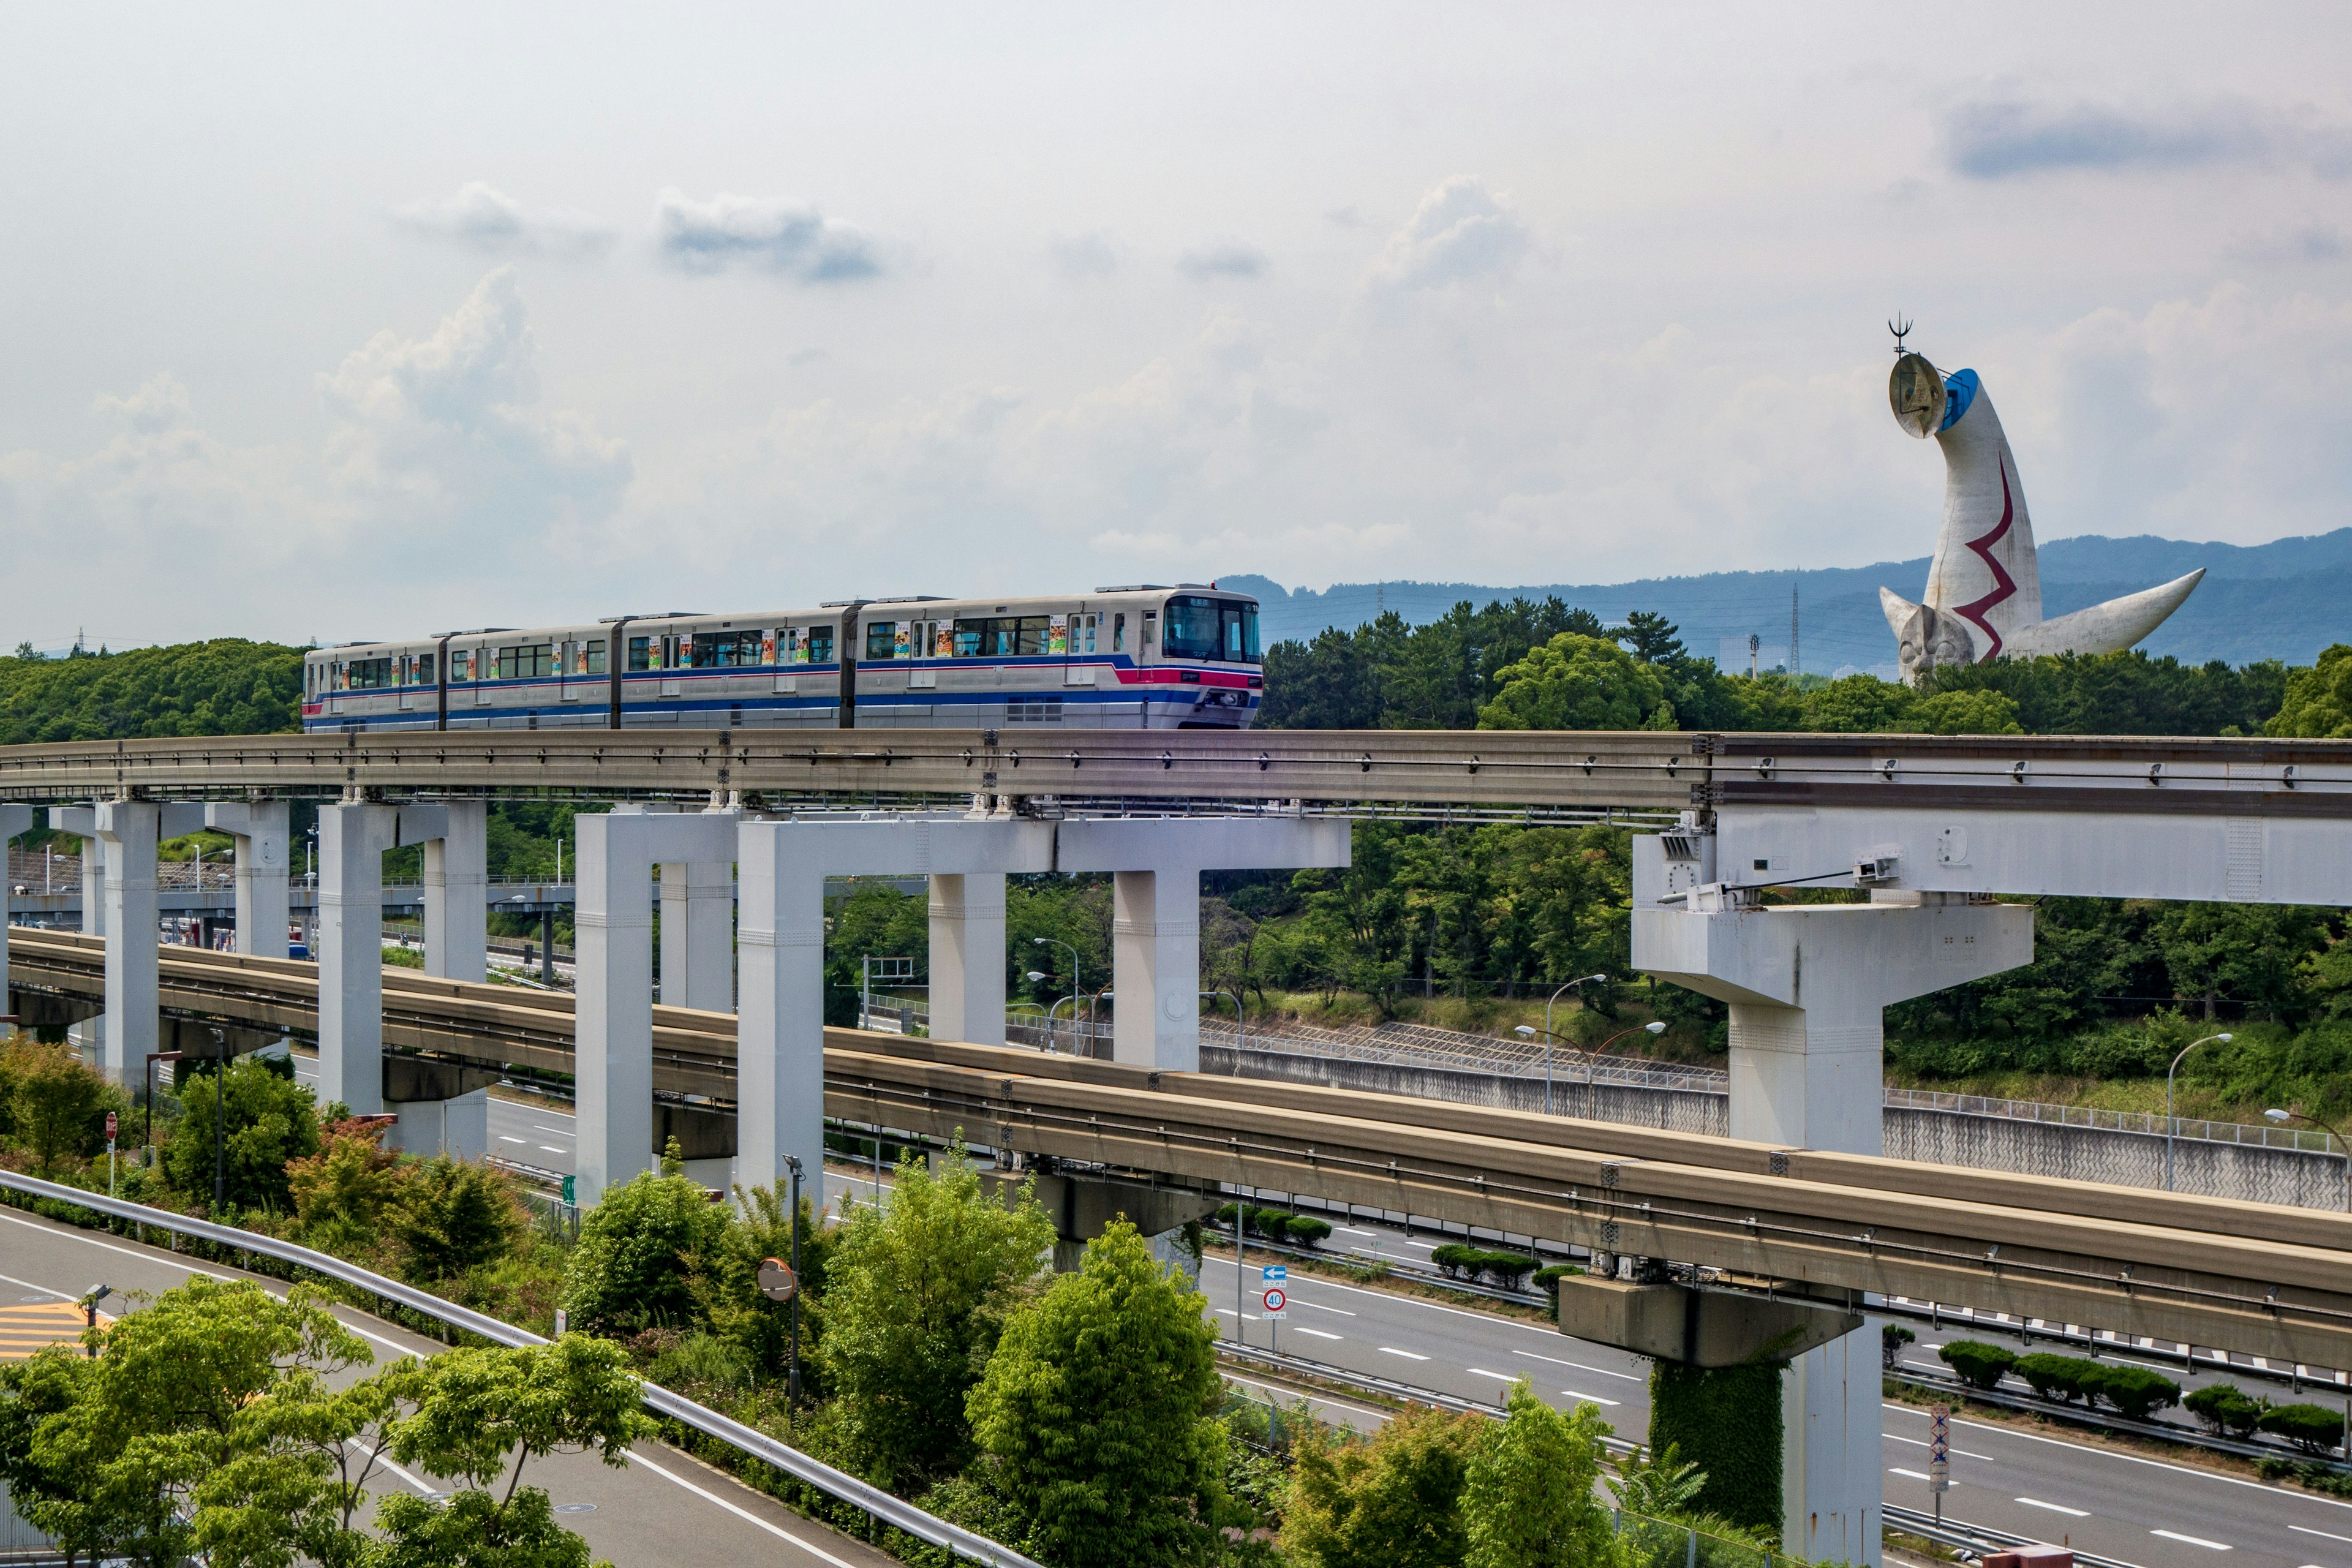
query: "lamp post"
792, 1371
89, 1306
1057, 941
1527, 1031
2328, 1128
2172, 1127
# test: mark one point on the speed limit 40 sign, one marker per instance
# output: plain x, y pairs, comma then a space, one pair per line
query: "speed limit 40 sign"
1276, 1303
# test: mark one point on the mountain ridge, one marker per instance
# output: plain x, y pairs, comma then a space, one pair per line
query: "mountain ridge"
2288, 600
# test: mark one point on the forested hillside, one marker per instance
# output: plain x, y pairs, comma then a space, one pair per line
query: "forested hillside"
226, 687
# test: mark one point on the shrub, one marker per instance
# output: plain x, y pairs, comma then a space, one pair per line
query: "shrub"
2314, 1429
266, 1121
1271, 1223
640, 1256
2135, 1392
453, 1216
1306, 1230
1456, 1260
1978, 1365
2062, 1377
2226, 1410
1891, 1338
1508, 1269
54, 1103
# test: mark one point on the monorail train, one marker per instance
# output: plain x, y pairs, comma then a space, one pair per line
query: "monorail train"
1143, 657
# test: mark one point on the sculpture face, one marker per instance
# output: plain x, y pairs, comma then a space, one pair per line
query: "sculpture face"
1928, 639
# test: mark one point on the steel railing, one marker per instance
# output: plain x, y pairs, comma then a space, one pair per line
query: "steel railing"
838, 1485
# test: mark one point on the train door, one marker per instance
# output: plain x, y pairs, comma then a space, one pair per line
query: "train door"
569, 666
483, 669
670, 645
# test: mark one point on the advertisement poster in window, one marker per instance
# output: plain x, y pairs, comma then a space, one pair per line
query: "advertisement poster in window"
1057, 634
767, 645
942, 640
898, 633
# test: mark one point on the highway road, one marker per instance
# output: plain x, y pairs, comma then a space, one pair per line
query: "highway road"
663, 1509
2145, 1511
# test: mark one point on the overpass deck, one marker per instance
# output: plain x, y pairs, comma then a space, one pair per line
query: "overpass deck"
2247, 1277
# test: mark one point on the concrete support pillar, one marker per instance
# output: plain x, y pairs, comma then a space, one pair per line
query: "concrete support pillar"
263, 860
613, 962
1156, 864
349, 951
14, 820
129, 830
1807, 987
698, 935
93, 876
456, 894
967, 966
780, 1021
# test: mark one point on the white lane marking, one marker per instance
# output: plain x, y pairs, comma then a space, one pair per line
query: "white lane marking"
2128, 1459
1245, 1317
1410, 1355
1898, 1471
1337, 1311
44, 1290
551, 1149
356, 1446
745, 1514
1497, 1376
1589, 1398
2193, 1540
1922, 1442
2054, 1507
504, 1138
1303, 1329
559, 1131
2306, 1530
1546, 1329
1578, 1365
168, 1262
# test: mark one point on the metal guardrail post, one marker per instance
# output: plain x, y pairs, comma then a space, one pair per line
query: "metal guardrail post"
892, 1511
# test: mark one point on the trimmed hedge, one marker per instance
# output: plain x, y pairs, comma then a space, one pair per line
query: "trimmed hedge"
1306, 1230
2226, 1410
1548, 1278
1978, 1364
2314, 1429
2136, 1392
1460, 1261
1727, 1421
2065, 1377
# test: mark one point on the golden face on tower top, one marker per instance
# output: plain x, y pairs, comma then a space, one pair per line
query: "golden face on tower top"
1916, 392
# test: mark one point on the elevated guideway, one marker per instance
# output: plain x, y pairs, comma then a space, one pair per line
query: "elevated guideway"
2246, 1277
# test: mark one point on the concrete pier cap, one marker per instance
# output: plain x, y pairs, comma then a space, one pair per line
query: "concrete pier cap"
1807, 987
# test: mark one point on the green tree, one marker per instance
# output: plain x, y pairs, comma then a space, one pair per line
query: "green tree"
453, 1216
1966, 713
266, 1121
56, 1106
1576, 682
342, 1193
875, 921
1097, 1409
1657, 1484
1528, 1497
919, 1290
479, 1415
166, 1407
2318, 701
642, 1257
1392, 1502
226, 687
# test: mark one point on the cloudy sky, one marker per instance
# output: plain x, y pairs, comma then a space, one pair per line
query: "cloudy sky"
322, 326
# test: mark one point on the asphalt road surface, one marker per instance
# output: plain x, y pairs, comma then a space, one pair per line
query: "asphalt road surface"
663, 1509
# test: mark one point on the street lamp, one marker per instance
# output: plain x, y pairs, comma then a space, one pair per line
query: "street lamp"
220, 1115
1523, 1033
2171, 1126
149, 1137
90, 1305
2284, 1116
1056, 941
1527, 1032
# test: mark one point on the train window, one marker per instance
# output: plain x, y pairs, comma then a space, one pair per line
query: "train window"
420, 669
880, 635
820, 645
1191, 628
725, 650
1119, 633
591, 657
370, 674
641, 653
530, 661
1238, 625
1151, 626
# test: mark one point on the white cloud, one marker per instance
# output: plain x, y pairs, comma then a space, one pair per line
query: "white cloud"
1994, 138
1223, 258
1461, 232
792, 240
488, 220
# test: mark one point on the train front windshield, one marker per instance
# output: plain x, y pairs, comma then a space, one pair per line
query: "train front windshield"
1223, 630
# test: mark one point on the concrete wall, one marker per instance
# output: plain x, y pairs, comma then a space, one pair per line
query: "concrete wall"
2304, 1179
